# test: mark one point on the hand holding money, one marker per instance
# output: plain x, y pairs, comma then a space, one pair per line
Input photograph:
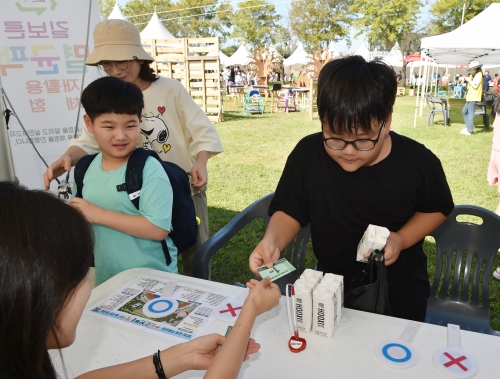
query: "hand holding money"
280, 268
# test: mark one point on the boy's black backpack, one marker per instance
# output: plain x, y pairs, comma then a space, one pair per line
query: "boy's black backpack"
185, 227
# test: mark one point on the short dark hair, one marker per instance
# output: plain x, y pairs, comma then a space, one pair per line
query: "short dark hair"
46, 249
352, 92
112, 95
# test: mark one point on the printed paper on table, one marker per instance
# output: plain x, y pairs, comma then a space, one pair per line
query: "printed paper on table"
191, 318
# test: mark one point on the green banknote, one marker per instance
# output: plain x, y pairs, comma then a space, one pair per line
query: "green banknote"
280, 268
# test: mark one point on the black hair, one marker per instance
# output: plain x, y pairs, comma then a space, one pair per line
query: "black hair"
112, 95
146, 72
46, 249
353, 92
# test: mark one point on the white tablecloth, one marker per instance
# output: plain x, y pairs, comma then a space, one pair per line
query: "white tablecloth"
350, 353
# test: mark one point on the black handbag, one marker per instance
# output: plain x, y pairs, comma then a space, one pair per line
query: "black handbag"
369, 288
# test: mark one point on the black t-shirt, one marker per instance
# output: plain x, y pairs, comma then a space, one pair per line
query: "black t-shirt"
339, 205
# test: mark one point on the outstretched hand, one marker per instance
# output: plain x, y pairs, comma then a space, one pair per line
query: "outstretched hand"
264, 295
203, 350
265, 253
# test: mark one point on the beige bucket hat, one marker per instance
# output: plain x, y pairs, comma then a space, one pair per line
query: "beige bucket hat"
116, 40
474, 64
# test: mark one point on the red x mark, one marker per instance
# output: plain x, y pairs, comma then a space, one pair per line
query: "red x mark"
231, 309
456, 361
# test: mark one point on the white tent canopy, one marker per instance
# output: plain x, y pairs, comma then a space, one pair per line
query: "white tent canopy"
363, 51
223, 58
333, 50
274, 52
116, 13
477, 39
155, 29
240, 57
298, 57
395, 57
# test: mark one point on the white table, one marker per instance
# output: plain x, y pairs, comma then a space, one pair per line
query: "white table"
350, 353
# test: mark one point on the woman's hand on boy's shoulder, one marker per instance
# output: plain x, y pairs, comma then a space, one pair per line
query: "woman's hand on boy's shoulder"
90, 211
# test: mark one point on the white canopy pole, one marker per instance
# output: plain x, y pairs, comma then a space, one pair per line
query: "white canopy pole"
425, 79
422, 91
418, 91
434, 78
430, 85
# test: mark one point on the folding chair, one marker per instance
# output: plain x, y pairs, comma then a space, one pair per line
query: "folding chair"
481, 111
253, 103
437, 105
286, 101
465, 253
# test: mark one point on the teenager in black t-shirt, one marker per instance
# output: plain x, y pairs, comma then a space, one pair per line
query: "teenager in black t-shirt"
357, 172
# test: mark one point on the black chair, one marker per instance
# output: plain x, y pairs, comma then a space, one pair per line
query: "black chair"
481, 111
295, 252
489, 99
465, 253
437, 105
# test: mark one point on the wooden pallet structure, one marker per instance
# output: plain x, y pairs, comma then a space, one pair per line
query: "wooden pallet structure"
195, 63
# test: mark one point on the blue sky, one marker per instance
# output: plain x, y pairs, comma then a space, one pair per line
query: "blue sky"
283, 7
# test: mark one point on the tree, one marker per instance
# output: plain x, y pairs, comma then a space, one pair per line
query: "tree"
448, 13
385, 22
229, 50
315, 22
139, 12
255, 22
203, 18
106, 7
410, 43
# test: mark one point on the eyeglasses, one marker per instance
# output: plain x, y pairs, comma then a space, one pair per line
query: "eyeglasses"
108, 65
359, 144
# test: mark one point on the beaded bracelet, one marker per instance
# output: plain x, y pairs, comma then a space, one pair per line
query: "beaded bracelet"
158, 366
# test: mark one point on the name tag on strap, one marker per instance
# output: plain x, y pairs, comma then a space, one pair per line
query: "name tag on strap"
134, 195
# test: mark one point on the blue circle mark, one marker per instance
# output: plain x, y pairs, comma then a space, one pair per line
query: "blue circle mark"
152, 310
397, 360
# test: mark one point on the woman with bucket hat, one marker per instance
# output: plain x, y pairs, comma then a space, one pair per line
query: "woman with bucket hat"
474, 95
172, 123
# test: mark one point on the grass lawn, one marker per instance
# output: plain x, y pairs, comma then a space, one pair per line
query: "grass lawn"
256, 148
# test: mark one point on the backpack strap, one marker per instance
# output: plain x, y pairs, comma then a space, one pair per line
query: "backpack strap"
133, 184
81, 168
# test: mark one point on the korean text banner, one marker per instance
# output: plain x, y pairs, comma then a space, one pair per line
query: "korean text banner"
42, 50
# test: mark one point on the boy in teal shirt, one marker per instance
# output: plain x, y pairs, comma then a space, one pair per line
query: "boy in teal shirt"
125, 237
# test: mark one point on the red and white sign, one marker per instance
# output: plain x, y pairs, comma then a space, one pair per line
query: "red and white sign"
455, 363
228, 311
